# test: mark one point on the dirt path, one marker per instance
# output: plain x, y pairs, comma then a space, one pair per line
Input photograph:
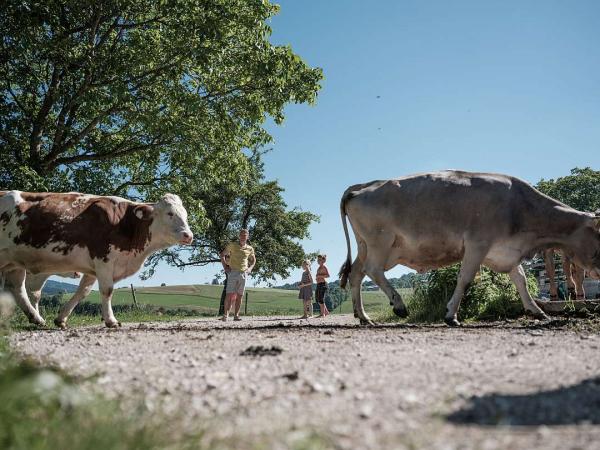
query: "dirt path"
387, 387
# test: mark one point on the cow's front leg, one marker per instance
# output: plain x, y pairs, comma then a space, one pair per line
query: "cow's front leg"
551, 272
84, 289
16, 280
474, 255
106, 287
34, 285
578, 278
378, 276
517, 275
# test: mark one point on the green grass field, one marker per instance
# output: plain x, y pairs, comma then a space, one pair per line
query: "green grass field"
204, 299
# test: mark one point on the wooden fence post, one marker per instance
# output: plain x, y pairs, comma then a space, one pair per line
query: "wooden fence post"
133, 293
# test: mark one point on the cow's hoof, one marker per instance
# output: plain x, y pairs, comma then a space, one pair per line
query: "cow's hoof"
401, 311
37, 321
537, 315
62, 324
367, 322
451, 322
114, 324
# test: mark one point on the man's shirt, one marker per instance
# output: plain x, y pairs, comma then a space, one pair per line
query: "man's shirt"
238, 256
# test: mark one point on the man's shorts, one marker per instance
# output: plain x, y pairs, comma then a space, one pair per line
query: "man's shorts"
236, 282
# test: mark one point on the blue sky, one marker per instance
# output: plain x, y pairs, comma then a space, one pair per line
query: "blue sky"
412, 86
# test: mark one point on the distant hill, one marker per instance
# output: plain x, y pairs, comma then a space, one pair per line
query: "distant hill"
58, 287
405, 281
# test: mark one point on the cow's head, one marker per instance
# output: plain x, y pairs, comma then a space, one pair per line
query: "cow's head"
587, 253
169, 220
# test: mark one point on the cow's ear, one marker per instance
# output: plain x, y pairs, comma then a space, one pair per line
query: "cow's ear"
143, 212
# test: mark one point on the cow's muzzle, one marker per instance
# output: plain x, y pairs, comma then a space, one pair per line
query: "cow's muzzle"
186, 238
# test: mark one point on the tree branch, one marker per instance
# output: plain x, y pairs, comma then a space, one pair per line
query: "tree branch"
99, 157
90, 126
17, 102
38, 123
139, 183
198, 263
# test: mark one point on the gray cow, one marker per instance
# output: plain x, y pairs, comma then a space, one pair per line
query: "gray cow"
432, 220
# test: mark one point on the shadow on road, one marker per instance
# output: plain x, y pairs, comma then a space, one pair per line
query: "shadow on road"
568, 405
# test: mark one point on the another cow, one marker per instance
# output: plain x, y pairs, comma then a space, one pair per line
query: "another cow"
573, 274
35, 283
432, 220
106, 238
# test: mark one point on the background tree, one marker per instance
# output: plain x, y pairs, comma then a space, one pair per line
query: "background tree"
139, 97
579, 190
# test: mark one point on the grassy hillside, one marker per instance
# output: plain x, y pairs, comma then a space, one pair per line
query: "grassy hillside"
204, 299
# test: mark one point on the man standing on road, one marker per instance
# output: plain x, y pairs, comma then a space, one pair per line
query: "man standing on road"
241, 261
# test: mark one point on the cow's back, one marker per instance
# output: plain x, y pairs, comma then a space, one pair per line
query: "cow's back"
445, 204
61, 223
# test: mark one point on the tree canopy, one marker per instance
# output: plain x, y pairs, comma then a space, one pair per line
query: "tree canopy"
579, 190
139, 97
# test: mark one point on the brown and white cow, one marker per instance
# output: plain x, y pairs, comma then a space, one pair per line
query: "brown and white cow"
105, 238
432, 220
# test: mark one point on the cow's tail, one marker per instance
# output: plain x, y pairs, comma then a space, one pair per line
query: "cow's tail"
347, 266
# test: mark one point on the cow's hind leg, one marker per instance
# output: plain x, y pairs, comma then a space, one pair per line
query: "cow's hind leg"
84, 289
16, 280
517, 275
470, 264
378, 276
356, 276
568, 270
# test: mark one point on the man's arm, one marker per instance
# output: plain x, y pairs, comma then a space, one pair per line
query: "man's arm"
223, 254
251, 262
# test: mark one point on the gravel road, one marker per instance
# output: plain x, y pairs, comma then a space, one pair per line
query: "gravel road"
273, 379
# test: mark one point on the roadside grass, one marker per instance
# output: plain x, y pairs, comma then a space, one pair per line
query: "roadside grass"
91, 315
490, 297
42, 407
170, 303
182, 302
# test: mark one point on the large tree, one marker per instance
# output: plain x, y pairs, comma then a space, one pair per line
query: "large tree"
579, 190
139, 97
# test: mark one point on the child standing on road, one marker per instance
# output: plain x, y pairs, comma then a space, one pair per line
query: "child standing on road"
305, 286
322, 274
